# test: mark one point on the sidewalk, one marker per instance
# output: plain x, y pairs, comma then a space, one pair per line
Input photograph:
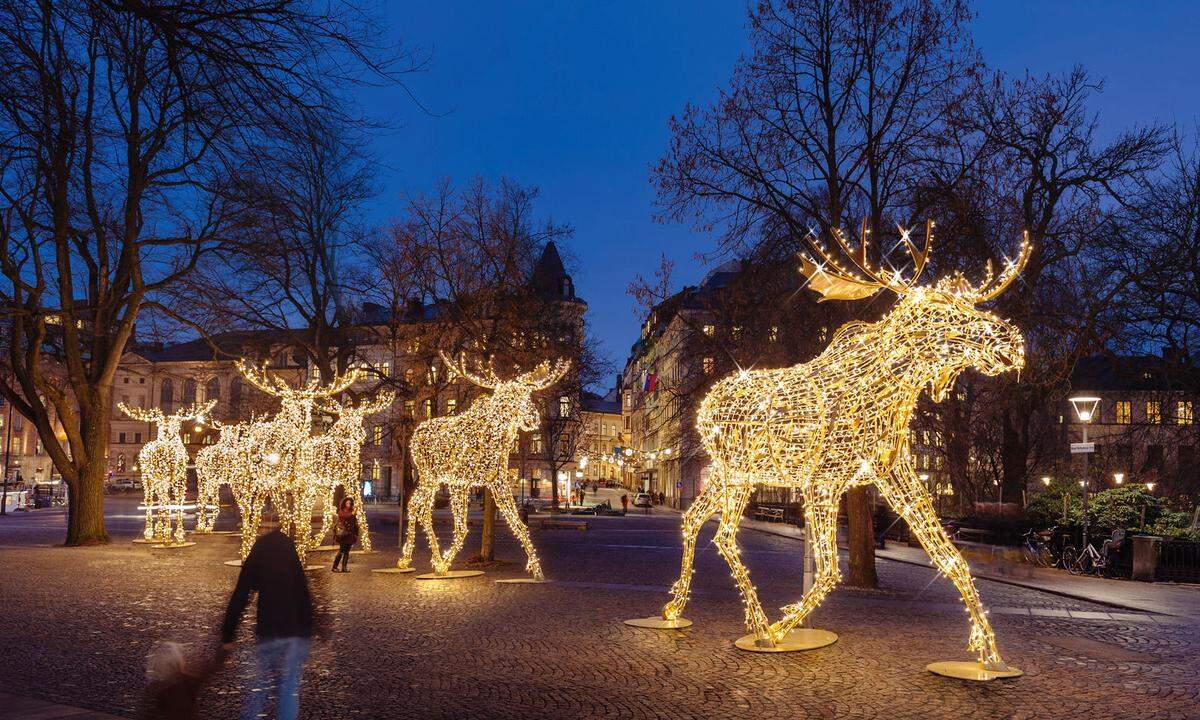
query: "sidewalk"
1157, 598
15, 707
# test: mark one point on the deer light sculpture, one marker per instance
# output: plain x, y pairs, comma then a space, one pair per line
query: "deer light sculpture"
842, 420
470, 450
164, 462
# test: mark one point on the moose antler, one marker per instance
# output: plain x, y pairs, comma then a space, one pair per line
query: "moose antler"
545, 374
993, 285
380, 403
278, 387
460, 369
195, 410
153, 415
837, 282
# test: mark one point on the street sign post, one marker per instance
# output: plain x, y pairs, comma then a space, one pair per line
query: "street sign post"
1081, 448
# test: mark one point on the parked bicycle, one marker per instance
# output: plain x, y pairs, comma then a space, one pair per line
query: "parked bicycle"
1093, 561
1036, 547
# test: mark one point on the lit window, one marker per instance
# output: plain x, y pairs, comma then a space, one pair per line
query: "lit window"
1183, 412
429, 408
408, 408
451, 405
377, 435
774, 334
709, 330
375, 471
1153, 412
737, 333
708, 366
1124, 412
564, 406
385, 369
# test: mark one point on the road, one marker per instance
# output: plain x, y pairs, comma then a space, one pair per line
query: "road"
77, 624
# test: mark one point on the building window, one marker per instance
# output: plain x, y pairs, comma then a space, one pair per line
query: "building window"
428, 408
736, 333
708, 366
564, 406
451, 405
189, 391
120, 438
212, 389
17, 447
137, 437
375, 471
408, 408
709, 330
1153, 412
235, 391
1124, 412
535, 444
1183, 412
385, 368
377, 435
187, 438
773, 336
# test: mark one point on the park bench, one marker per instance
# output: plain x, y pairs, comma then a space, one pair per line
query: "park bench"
561, 525
769, 514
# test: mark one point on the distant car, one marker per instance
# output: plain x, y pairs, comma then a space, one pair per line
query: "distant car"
122, 485
642, 500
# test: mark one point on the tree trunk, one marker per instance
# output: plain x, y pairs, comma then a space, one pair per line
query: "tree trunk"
1014, 454
487, 548
553, 487
85, 506
862, 538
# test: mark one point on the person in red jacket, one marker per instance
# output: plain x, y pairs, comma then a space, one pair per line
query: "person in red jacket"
346, 532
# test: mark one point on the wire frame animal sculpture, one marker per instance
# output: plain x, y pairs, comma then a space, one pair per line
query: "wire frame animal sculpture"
842, 420
222, 463
164, 462
470, 450
335, 459
277, 454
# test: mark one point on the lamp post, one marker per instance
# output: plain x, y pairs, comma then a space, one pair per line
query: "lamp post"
1085, 410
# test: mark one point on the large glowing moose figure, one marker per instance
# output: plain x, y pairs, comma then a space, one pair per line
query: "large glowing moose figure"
336, 458
222, 463
842, 420
277, 454
470, 450
164, 462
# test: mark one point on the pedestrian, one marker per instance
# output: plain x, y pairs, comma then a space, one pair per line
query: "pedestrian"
284, 623
624, 503
173, 684
346, 532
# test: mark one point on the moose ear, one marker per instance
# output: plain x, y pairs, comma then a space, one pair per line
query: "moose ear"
939, 387
834, 286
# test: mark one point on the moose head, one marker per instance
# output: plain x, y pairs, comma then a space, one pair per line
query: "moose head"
940, 327
514, 398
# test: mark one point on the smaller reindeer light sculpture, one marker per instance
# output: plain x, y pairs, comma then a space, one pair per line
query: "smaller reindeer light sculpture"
470, 450
335, 458
842, 420
164, 462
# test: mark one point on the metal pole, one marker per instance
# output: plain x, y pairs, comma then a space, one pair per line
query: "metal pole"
1085, 492
7, 457
810, 565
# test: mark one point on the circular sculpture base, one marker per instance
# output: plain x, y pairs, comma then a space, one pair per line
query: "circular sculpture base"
363, 552
794, 641
323, 548
233, 563
971, 670
173, 545
151, 541
310, 568
521, 581
655, 622
224, 532
450, 575
393, 570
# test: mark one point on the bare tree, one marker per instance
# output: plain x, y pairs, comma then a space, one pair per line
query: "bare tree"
120, 123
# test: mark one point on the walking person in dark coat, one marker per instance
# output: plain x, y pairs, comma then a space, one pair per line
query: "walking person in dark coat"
346, 532
284, 626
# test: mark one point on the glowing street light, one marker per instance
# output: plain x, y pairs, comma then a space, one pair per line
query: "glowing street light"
1046, 480
1118, 478
1149, 487
1085, 409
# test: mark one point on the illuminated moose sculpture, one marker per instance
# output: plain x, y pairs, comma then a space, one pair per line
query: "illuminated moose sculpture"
470, 450
842, 420
335, 458
164, 462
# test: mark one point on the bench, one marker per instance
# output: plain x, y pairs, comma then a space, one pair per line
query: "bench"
561, 525
967, 534
769, 514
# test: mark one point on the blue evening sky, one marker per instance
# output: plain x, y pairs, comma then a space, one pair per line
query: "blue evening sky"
574, 97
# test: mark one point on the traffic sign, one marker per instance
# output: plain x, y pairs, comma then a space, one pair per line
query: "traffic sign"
1082, 448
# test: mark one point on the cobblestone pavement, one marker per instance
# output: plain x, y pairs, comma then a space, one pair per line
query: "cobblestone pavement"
76, 625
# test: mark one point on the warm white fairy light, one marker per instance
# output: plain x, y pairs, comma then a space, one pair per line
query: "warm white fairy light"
164, 462
842, 420
469, 451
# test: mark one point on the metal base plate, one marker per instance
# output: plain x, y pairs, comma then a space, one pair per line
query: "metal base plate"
173, 545
363, 552
393, 570
224, 532
323, 548
450, 575
656, 622
233, 563
310, 568
521, 581
970, 670
796, 640
151, 541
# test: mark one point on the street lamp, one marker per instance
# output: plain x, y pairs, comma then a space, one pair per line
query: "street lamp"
1046, 480
1149, 487
1085, 409
1118, 478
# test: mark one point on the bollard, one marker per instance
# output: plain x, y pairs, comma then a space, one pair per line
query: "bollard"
1145, 557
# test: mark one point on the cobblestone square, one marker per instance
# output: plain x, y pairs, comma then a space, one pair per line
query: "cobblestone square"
77, 625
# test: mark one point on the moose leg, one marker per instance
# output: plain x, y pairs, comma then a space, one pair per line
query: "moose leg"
694, 518
508, 508
909, 498
360, 514
459, 505
820, 515
415, 513
733, 505
425, 516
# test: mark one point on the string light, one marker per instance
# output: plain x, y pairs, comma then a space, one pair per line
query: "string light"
164, 462
842, 420
469, 451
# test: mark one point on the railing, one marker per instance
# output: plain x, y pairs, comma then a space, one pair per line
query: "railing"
1178, 560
